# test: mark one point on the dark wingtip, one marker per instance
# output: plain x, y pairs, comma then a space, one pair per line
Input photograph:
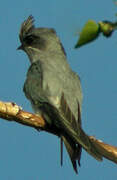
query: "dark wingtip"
79, 115
75, 167
61, 150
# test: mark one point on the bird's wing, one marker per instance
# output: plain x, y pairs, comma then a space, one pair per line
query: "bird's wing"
78, 135
59, 111
41, 97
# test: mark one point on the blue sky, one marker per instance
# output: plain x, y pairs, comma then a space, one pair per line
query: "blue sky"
26, 154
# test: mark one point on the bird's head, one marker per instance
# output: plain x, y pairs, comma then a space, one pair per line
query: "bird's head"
38, 42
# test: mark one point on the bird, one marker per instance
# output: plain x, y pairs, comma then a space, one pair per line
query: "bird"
54, 90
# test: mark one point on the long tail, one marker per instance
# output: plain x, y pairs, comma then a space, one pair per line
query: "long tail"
73, 150
94, 147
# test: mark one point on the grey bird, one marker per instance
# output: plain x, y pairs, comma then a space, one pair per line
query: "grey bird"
54, 90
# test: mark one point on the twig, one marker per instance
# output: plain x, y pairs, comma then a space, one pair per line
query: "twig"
108, 151
12, 112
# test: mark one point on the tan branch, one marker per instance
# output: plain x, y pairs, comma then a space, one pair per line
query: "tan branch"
108, 151
12, 112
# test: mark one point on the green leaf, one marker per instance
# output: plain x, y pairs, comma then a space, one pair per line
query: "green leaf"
89, 33
107, 27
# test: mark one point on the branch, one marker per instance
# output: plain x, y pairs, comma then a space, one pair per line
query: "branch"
107, 151
12, 112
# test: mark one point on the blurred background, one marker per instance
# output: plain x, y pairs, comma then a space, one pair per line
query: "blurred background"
26, 154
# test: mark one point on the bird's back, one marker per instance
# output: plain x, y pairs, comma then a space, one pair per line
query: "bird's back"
59, 78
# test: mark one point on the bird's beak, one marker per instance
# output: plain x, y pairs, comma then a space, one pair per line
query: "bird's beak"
20, 47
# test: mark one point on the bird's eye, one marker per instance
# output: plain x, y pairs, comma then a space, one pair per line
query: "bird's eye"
29, 39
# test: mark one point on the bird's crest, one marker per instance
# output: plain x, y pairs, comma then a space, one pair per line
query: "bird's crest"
26, 27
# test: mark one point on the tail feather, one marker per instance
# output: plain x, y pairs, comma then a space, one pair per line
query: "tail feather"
73, 150
70, 131
73, 129
93, 146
